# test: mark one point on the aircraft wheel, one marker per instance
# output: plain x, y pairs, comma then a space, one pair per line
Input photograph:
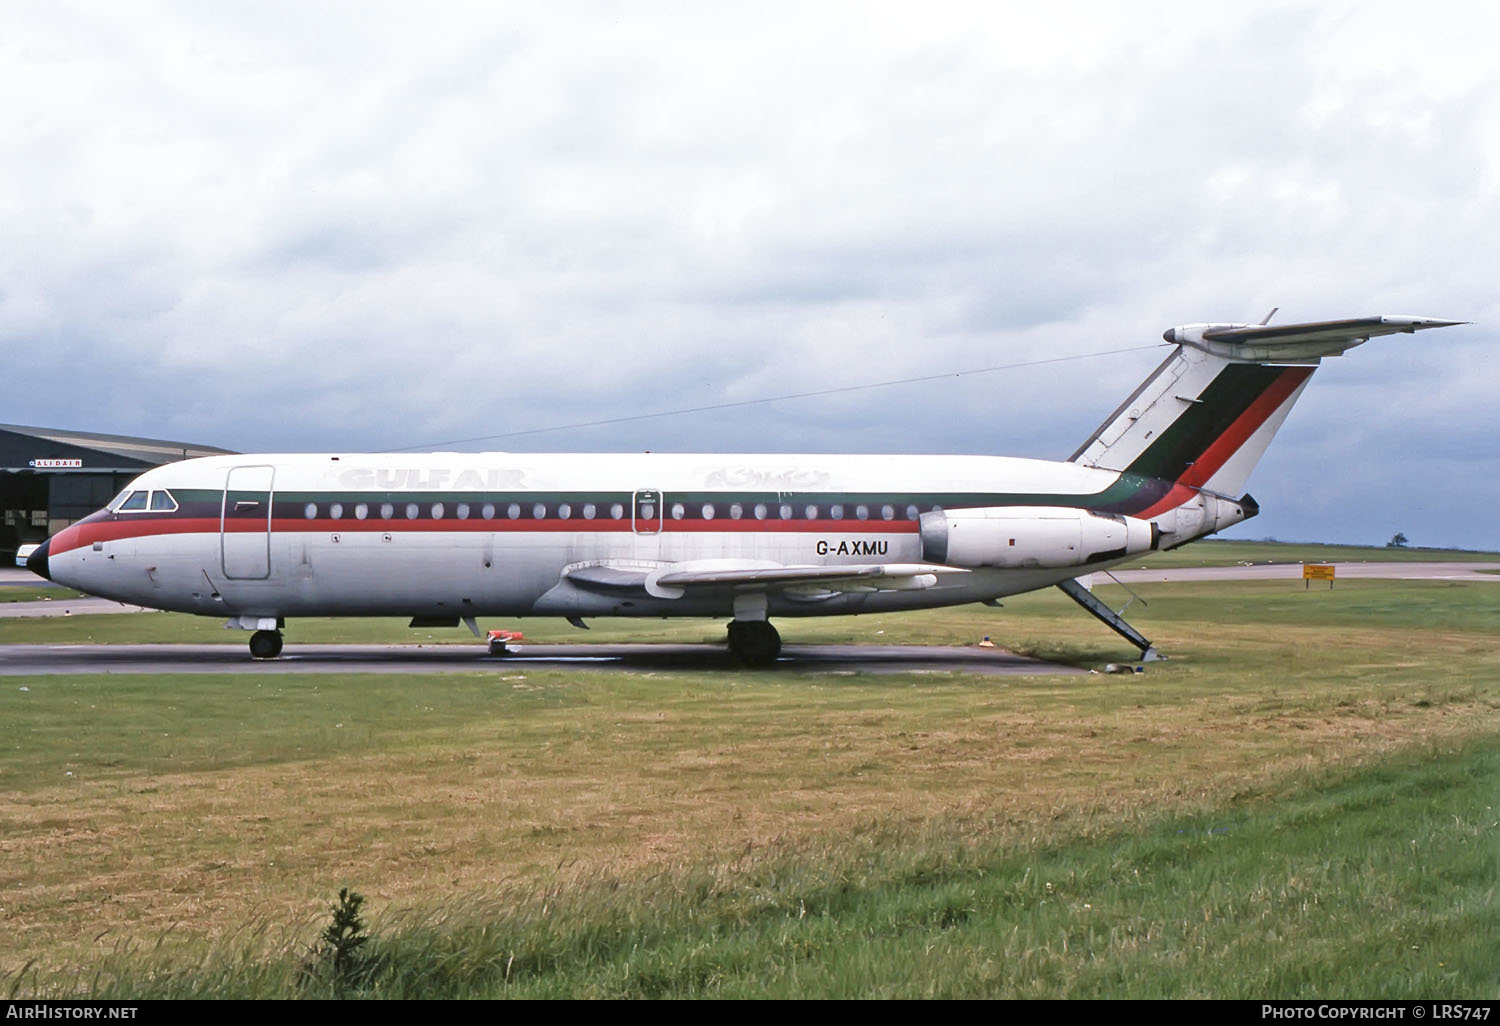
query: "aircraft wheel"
265, 644
754, 643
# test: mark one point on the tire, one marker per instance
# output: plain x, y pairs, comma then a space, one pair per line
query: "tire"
755, 643
265, 644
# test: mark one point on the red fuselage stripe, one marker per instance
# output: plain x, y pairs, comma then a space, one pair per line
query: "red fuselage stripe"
81, 534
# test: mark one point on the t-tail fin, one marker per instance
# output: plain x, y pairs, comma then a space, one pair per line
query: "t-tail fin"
1195, 429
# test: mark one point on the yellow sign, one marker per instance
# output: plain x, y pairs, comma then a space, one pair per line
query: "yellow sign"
1317, 572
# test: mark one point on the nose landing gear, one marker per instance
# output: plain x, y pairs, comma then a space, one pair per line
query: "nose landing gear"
265, 644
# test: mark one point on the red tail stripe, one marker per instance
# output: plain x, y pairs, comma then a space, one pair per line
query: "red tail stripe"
1226, 445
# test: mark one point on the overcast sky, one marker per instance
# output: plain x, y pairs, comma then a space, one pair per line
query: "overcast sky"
309, 226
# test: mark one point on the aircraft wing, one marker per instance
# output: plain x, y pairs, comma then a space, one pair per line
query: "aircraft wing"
865, 577
673, 580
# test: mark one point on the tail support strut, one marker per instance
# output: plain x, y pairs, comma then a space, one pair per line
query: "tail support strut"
1085, 598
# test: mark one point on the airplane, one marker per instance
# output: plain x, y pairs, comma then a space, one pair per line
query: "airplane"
448, 537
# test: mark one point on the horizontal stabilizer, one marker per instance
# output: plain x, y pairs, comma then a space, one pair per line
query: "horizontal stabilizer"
1306, 341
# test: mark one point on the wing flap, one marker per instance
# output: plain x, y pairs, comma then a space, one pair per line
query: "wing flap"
673, 580
863, 577
613, 579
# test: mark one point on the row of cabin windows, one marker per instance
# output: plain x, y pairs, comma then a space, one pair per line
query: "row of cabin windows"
614, 511
161, 501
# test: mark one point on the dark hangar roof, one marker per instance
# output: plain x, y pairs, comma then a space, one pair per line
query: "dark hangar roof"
21, 447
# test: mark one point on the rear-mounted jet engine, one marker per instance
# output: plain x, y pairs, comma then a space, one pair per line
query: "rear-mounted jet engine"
1014, 537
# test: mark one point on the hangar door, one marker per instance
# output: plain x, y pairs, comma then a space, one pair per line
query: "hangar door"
245, 523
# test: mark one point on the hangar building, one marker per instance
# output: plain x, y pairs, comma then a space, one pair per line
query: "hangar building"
50, 478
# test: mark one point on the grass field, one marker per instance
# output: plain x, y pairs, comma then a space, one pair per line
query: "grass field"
1302, 890
1224, 552
1301, 802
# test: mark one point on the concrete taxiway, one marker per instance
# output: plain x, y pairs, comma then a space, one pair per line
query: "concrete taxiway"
1475, 571
37, 660
65, 607
45, 660
1487, 572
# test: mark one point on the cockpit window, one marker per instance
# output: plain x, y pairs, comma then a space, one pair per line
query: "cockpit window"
162, 501
134, 503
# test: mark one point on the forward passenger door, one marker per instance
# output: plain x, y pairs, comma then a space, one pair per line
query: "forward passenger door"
245, 523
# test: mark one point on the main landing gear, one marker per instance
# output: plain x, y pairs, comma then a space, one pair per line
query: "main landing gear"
754, 643
265, 644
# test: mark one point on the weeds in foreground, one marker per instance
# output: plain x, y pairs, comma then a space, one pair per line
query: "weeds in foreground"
338, 961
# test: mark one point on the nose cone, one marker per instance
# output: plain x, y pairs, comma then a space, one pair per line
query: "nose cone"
37, 561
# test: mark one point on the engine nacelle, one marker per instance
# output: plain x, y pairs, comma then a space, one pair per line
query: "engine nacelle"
1202, 515
1031, 536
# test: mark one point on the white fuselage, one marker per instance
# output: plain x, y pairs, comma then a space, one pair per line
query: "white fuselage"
497, 534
